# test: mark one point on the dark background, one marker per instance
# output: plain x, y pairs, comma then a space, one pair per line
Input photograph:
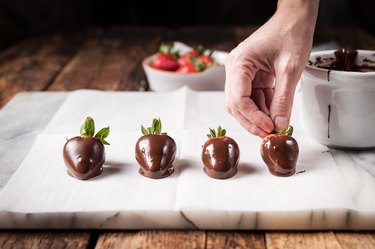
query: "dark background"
23, 18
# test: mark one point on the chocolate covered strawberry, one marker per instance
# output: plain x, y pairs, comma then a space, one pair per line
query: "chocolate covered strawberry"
84, 155
280, 152
155, 152
220, 155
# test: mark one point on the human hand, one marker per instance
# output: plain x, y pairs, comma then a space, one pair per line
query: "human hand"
262, 72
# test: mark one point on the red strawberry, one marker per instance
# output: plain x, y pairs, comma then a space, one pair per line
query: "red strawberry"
280, 152
164, 62
205, 59
166, 58
220, 155
84, 155
191, 66
193, 53
155, 152
184, 60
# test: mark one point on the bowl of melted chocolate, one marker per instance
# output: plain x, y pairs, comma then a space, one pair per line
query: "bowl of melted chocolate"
338, 98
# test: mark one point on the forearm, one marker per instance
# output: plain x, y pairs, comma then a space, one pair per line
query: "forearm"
307, 8
302, 13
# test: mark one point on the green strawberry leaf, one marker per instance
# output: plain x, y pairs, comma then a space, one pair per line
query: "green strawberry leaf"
102, 134
220, 132
144, 130
154, 129
199, 49
223, 132
287, 130
212, 132
88, 128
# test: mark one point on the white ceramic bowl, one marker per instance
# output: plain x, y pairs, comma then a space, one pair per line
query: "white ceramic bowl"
212, 79
339, 112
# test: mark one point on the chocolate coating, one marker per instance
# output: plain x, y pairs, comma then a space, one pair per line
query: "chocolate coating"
84, 157
220, 157
155, 155
280, 153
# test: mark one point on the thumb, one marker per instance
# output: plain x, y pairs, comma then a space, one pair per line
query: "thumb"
282, 102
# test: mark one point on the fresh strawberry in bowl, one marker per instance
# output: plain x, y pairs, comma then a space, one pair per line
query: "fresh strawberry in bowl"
165, 59
176, 65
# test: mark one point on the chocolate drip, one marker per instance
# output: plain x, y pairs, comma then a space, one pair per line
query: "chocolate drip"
329, 118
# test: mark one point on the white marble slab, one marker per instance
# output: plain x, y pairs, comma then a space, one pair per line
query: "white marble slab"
333, 193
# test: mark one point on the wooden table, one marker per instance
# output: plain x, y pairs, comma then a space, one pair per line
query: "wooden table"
110, 59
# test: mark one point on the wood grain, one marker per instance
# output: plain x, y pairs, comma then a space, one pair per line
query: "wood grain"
110, 60
356, 240
152, 240
235, 240
33, 64
39, 240
310, 240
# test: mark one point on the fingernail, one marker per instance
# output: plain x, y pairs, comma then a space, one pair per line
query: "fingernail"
280, 123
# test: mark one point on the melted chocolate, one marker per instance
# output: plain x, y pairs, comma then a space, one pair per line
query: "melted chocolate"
155, 155
345, 60
280, 153
220, 157
84, 157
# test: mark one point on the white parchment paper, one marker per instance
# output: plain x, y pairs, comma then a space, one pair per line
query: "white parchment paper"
41, 183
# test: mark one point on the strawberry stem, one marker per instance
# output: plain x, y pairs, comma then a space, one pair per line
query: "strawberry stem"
168, 48
199, 66
154, 129
88, 130
288, 131
220, 132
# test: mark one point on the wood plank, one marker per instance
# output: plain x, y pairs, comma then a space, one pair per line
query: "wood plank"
40, 240
235, 240
31, 65
110, 60
356, 240
152, 239
311, 240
